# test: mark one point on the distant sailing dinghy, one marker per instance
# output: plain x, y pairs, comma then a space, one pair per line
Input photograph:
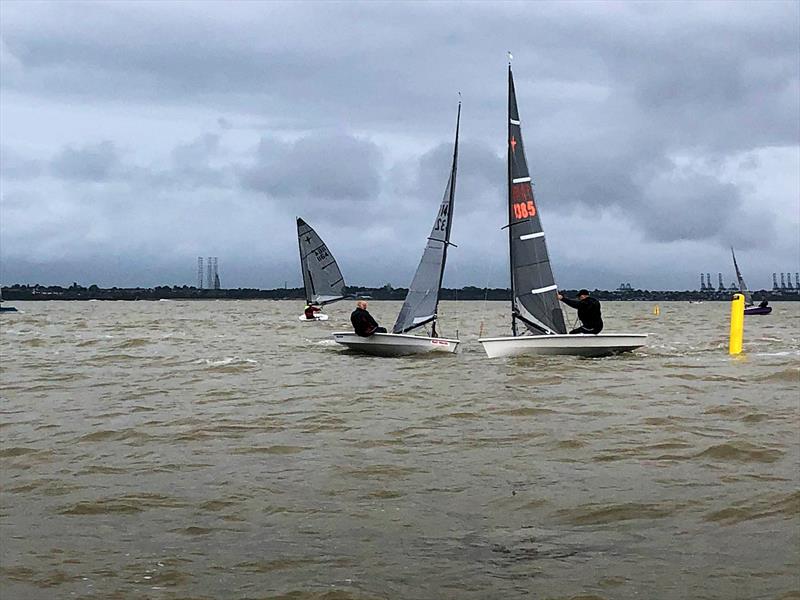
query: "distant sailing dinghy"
534, 294
422, 302
750, 309
322, 278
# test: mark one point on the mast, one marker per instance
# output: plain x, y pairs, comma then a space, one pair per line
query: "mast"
534, 292
508, 200
422, 300
452, 198
307, 285
740, 280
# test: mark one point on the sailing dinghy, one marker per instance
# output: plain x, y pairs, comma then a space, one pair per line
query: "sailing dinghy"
537, 322
750, 309
422, 301
322, 278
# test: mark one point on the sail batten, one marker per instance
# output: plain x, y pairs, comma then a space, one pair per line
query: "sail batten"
422, 301
533, 287
322, 279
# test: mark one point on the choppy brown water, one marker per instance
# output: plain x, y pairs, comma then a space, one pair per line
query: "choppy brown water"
227, 450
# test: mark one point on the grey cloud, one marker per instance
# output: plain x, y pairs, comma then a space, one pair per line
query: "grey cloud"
193, 165
197, 152
687, 207
16, 166
91, 162
692, 206
480, 183
277, 63
317, 168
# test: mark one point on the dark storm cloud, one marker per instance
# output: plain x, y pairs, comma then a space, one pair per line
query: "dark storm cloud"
724, 82
319, 167
703, 208
421, 181
307, 63
665, 201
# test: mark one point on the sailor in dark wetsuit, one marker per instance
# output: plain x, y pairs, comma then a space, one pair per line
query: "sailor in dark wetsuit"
588, 312
311, 310
363, 323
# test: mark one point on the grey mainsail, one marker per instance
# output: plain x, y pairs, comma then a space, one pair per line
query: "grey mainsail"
321, 275
533, 288
748, 298
422, 300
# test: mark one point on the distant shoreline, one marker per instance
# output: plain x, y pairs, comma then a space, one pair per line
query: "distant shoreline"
93, 292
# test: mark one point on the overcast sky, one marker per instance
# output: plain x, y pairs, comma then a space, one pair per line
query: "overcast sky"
138, 136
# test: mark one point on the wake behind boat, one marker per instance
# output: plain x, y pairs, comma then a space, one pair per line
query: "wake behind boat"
422, 301
534, 293
322, 278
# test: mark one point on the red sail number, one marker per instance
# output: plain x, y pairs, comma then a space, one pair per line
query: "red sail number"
524, 210
522, 201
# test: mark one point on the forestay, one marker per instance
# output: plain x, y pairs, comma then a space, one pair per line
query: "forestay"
534, 291
422, 301
322, 278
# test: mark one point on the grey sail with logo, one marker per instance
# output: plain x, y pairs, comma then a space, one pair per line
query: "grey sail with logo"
321, 275
748, 297
534, 292
422, 300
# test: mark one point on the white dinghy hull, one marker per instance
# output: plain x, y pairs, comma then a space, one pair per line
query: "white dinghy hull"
395, 344
317, 317
580, 344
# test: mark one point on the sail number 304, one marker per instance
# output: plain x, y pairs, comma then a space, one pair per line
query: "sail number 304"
522, 201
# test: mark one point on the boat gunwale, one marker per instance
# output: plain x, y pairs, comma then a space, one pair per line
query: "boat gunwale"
565, 336
394, 335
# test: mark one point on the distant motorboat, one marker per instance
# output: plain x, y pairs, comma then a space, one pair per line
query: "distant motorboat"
758, 310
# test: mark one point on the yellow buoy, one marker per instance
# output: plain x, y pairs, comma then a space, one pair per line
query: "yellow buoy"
656, 310
737, 324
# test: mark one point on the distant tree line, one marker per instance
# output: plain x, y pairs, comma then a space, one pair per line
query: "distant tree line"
386, 292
